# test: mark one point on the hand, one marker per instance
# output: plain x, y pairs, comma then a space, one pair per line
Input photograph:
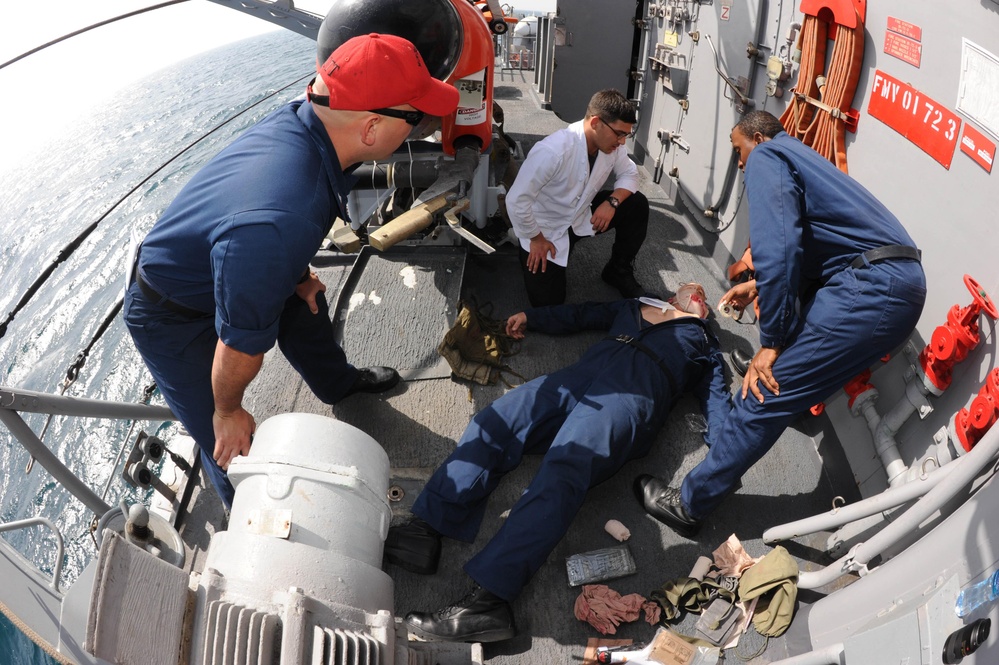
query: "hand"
541, 248
516, 325
308, 289
233, 435
602, 216
740, 296
760, 371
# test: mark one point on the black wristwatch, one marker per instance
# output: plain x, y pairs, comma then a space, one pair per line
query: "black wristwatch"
614, 203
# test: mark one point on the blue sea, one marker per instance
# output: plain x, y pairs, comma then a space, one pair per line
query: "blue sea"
51, 199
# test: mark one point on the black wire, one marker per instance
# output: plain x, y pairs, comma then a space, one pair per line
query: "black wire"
89, 27
68, 250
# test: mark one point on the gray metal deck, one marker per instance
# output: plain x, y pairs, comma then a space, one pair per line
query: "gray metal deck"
419, 421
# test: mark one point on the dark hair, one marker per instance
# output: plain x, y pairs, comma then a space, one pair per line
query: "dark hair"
611, 106
760, 121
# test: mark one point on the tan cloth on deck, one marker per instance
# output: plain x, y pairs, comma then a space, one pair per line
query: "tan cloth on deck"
774, 580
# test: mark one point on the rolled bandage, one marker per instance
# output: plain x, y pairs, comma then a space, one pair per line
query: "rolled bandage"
701, 568
617, 530
729, 310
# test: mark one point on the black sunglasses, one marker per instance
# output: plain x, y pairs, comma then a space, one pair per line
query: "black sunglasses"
618, 132
411, 117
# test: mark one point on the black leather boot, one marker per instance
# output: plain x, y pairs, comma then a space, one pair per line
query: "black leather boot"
663, 502
481, 616
373, 380
740, 361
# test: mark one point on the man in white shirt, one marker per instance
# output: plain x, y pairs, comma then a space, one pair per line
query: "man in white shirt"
557, 199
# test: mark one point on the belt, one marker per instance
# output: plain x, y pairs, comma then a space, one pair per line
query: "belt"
885, 253
634, 343
156, 297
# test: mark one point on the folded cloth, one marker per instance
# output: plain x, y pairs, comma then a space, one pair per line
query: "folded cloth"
605, 609
774, 580
730, 557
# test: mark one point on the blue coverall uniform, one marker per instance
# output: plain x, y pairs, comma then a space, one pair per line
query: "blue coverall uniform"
233, 245
587, 419
808, 221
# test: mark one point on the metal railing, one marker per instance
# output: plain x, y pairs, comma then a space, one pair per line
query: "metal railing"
60, 546
14, 401
514, 52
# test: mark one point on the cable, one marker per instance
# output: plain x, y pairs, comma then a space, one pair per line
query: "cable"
88, 28
68, 250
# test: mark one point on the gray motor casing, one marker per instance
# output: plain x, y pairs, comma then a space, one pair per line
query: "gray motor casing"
301, 560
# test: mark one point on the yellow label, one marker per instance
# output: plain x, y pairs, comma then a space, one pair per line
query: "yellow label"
671, 39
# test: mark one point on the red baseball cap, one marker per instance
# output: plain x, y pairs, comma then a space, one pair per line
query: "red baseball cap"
378, 71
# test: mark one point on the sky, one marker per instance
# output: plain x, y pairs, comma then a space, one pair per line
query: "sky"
88, 69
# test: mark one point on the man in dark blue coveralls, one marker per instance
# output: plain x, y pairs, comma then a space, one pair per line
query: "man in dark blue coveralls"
809, 224
588, 420
224, 273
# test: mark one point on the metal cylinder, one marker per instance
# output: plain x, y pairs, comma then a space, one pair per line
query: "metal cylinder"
306, 529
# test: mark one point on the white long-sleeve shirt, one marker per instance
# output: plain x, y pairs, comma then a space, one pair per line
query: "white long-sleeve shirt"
555, 187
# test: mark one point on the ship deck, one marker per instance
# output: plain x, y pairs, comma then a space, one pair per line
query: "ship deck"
419, 421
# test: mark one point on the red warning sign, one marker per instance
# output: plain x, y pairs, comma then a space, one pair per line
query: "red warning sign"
903, 48
901, 27
924, 121
978, 147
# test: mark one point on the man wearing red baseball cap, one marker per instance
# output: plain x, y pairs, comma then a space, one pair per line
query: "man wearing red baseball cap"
224, 273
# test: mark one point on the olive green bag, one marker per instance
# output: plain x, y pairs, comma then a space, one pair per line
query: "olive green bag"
476, 345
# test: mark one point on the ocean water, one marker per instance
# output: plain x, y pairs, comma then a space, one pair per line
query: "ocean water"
50, 199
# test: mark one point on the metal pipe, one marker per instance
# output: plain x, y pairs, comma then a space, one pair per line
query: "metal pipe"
834, 654
837, 517
891, 423
29, 401
742, 98
47, 459
964, 471
33, 521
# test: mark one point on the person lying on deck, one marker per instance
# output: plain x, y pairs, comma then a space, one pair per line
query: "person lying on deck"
587, 419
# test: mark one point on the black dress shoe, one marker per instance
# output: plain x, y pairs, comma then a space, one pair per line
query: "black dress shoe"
373, 380
622, 277
740, 360
480, 616
415, 547
663, 502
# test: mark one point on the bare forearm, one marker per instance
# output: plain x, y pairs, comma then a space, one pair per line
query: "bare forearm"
232, 372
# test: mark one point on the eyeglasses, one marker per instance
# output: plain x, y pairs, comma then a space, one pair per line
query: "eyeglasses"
618, 132
411, 117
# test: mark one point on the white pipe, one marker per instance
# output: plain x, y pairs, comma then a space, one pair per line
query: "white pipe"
891, 497
891, 423
834, 654
964, 471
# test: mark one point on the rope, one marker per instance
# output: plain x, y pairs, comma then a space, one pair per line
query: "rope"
34, 637
68, 250
820, 108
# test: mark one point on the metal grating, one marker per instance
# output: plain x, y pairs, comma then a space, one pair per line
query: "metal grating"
332, 646
240, 636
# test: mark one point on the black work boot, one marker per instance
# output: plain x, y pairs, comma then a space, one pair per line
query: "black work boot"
663, 502
415, 546
373, 380
481, 616
740, 361
621, 275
